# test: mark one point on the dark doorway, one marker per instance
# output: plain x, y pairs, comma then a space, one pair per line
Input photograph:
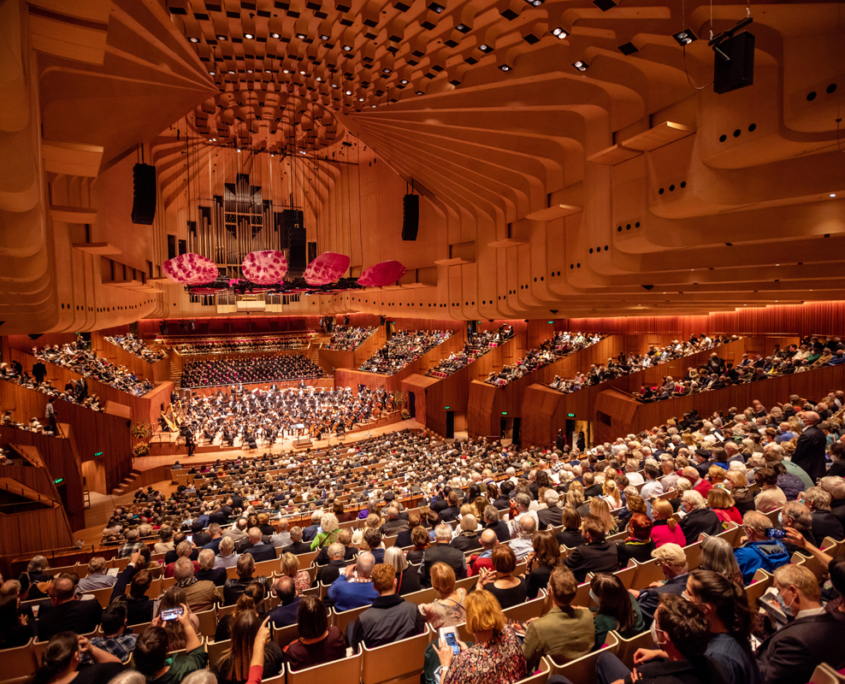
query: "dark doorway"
570, 428
517, 423
450, 424
412, 405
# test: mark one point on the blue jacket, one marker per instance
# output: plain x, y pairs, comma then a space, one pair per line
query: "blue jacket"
768, 554
348, 595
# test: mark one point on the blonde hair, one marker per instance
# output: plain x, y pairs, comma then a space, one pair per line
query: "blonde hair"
801, 578
664, 508
484, 612
289, 565
611, 489
720, 498
601, 509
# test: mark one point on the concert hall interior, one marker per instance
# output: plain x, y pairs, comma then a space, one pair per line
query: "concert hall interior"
411, 324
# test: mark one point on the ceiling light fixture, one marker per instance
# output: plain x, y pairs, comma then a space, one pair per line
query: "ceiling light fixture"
347, 48
832, 195
335, 85
323, 36
194, 39
485, 48
348, 92
463, 28
360, 99
581, 65
275, 35
404, 81
301, 36
249, 71
285, 71
212, 73
505, 67
248, 36
434, 7
231, 71
220, 36
560, 33
302, 73
420, 92
239, 149
387, 71
684, 37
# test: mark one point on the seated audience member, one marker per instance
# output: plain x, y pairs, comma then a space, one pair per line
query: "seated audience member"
235, 587
673, 563
698, 519
468, 539
226, 558
442, 552
354, 587
489, 541
421, 541
16, 629
233, 665
407, 577
665, 529
317, 643
390, 618
372, 543
492, 521
596, 554
617, 609
796, 515
183, 550
639, 544
326, 574
151, 653
394, 525
330, 529
813, 637
564, 631
60, 662
296, 545
717, 555
285, 613
132, 544
570, 536
771, 496
217, 576
722, 503
65, 612
251, 600
256, 547
682, 633
174, 597
541, 562
508, 590
138, 606
496, 655
758, 551
448, 609
522, 545
289, 565
199, 594
97, 577
825, 523
552, 515
115, 639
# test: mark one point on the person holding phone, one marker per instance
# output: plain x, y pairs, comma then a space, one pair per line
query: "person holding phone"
151, 651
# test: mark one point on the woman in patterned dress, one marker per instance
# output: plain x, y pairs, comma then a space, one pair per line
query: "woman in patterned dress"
496, 655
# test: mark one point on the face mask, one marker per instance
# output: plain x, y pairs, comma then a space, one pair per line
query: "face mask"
654, 636
780, 519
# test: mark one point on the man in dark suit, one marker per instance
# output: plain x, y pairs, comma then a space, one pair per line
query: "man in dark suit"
492, 521
809, 452
596, 555
258, 548
442, 552
551, 516
284, 614
326, 574
812, 638
208, 571
65, 612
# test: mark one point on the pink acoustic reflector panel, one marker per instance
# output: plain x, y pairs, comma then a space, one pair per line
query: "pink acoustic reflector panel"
266, 267
190, 269
380, 275
326, 268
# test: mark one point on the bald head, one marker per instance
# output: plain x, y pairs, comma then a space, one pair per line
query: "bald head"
810, 417
365, 564
183, 569
488, 539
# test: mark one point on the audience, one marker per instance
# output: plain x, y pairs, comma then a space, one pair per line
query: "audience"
137, 347
317, 643
561, 344
758, 551
61, 658
405, 347
508, 590
348, 338
617, 609
233, 666
86, 363
477, 346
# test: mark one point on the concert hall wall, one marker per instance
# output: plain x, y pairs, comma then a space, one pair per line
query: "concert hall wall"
230, 325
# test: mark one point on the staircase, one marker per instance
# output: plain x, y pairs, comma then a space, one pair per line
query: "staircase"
314, 354
127, 484
175, 374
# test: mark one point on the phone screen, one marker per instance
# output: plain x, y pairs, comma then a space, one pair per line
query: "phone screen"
190, 538
452, 640
171, 614
775, 533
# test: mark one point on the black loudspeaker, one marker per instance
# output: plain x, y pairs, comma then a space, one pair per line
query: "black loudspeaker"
410, 217
294, 227
737, 70
144, 198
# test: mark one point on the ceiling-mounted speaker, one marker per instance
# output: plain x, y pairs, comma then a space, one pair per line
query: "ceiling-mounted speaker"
144, 195
733, 67
410, 217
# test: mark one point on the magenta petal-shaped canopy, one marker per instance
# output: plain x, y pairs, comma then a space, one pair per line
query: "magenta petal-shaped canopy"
266, 267
190, 269
380, 275
326, 268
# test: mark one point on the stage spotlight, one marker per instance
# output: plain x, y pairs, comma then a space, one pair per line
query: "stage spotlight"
220, 36
301, 36
581, 65
275, 35
505, 67
434, 7
248, 36
404, 81
560, 33
684, 37
348, 92
485, 48
194, 39
347, 48
463, 28
323, 36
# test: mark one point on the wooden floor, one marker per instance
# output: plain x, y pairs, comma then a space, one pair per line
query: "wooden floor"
103, 505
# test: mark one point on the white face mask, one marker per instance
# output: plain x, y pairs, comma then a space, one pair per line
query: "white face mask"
654, 632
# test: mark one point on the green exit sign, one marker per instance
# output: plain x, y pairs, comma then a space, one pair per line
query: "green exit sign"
570, 415
551, 322
97, 454
59, 481
447, 408
504, 413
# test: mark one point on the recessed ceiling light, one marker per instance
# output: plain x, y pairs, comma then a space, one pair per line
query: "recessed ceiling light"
504, 67
560, 33
404, 81
435, 7
212, 73
231, 71
249, 71
275, 35
302, 72
485, 48
301, 36
360, 99
323, 36
285, 71
194, 39
387, 71
268, 71
320, 79
239, 149
832, 195
420, 92
463, 28
220, 36
248, 36
335, 85
348, 92
373, 106
347, 48
580, 65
